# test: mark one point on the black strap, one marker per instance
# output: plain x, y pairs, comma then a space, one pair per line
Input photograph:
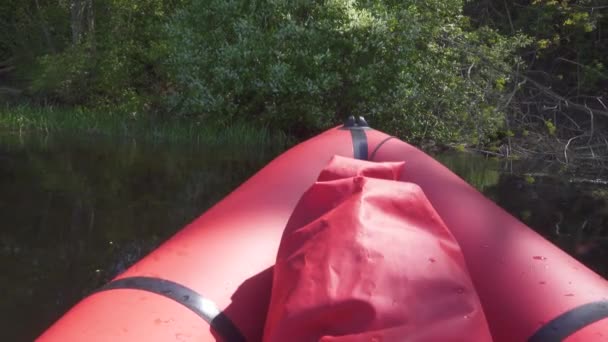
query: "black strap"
357, 127
200, 305
571, 321
359, 144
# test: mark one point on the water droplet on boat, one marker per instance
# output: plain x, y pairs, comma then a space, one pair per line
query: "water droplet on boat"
538, 257
466, 316
182, 336
432, 260
460, 290
542, 282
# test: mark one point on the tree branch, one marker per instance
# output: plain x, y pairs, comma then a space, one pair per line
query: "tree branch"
580, 107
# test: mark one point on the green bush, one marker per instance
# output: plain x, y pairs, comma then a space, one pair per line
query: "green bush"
65, 76
414, 66
566, 74
418, 69
116, 65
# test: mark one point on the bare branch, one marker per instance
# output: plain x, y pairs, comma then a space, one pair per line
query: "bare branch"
566, 147
568, 103
581, 65
509, 16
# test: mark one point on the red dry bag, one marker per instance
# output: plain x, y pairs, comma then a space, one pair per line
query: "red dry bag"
365, 257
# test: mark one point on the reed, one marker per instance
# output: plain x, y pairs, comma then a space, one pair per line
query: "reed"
238, 135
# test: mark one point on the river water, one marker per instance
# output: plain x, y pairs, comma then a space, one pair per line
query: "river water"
76, 211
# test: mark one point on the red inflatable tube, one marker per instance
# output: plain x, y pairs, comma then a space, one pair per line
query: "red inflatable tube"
213, 280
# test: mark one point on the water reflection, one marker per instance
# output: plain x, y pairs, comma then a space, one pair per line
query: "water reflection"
570, 213
77, 211
479, 171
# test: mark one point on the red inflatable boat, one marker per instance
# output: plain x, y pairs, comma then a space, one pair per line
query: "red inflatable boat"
216, 279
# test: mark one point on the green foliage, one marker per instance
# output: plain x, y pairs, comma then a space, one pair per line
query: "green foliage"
525, 215
415, 66
568, 53
117, 62
6, 8
529, 179
65, 76
129, 72
550, 127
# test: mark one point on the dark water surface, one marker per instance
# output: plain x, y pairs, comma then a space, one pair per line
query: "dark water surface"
76, 211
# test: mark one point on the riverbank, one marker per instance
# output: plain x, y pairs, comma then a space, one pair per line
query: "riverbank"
242, 135
24, 119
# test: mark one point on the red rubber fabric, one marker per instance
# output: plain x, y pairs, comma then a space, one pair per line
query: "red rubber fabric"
366, 258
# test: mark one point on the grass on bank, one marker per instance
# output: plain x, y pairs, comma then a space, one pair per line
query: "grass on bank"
25, 118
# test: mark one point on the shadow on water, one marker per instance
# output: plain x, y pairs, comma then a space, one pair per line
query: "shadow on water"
76, 212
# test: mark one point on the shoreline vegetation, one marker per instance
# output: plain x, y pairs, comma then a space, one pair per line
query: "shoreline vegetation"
244, 136
519, 79
25, 119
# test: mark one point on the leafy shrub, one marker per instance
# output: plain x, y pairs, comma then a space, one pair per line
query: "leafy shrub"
414, 66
